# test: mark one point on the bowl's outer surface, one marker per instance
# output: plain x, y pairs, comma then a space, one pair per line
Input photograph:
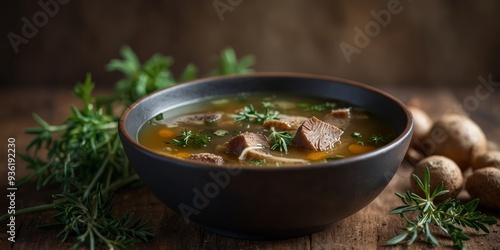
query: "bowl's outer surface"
267, 203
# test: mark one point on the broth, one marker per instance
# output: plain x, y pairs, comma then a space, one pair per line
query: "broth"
205, 126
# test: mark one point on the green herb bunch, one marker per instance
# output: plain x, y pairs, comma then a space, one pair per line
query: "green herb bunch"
450, 216
85, 157
82, 152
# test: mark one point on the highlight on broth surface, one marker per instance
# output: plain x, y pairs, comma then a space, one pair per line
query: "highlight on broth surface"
265, 129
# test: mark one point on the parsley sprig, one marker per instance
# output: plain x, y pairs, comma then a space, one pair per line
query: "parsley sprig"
450, 216
85, 157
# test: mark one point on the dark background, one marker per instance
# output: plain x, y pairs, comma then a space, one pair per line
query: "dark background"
426, 43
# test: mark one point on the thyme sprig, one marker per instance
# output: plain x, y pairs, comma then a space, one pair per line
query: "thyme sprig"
92, 218
450, 216
85, 157
280, 140
250, 114
190, 138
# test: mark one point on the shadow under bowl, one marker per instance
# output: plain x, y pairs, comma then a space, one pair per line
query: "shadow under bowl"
266, 203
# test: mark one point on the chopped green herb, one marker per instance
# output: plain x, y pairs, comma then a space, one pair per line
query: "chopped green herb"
356, 134
378, 139
360, 143
159, 117
220, 132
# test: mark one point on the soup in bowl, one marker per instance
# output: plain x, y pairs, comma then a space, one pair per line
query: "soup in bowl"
269, 155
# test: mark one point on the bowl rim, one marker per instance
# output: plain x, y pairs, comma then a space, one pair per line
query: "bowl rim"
407, 132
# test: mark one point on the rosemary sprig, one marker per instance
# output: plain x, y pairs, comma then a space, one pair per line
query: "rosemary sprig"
450, 216
280, 140
83, 151
85, 157
250, 114
189, 138
93, 220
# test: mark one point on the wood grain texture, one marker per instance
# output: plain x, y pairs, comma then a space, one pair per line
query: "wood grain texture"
370, 228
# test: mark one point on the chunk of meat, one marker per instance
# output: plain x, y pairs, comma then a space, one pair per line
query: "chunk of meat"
339, 117
247, 139
285, 122
344, 113
207, 158
249, 145
316, 135
196, 119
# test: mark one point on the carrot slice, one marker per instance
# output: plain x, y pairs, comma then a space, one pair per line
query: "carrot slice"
183, 154
166, 133
316, 156
360, 149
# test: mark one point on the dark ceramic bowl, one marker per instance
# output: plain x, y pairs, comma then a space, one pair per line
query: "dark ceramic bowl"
267, 203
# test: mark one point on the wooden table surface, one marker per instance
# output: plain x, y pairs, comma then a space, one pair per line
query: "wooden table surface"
370, 228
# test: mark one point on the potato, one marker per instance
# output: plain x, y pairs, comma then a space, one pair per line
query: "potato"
422, 123
484, 184
488, 159
442, 169
458, 138
492, 146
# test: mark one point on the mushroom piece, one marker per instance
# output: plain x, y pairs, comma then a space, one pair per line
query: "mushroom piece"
442, 169
458, 138
484, 184
488, 159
